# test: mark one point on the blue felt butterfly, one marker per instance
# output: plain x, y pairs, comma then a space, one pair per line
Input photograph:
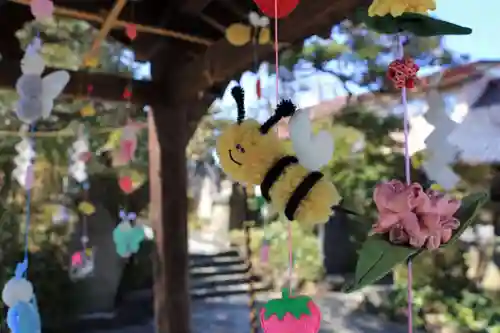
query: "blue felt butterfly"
23, 316
128, 237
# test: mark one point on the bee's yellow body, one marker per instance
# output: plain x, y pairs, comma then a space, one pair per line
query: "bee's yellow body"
315, 207
251, 154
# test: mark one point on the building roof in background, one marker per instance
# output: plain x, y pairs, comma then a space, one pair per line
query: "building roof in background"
451, 78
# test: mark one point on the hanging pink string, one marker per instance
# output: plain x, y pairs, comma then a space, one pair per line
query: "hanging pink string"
404, 102
277, 66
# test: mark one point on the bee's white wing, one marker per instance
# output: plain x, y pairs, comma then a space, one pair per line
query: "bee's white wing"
313, 151
54, 83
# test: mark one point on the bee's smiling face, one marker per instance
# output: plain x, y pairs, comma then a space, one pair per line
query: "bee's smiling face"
242, 150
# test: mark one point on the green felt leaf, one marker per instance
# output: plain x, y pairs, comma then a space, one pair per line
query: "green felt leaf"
377, 257
470, 207
295, 305
418, 24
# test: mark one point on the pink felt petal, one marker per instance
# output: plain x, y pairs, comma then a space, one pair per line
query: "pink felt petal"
385, 222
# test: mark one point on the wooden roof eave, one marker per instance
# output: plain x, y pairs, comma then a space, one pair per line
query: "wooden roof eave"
106, 87
223, 62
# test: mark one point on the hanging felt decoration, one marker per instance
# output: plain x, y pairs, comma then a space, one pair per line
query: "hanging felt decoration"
79, 149
60, 215
127, 93
399, 7
440, 153
126, 184
88, 111
23, 171
418, 24
86, 208
131, 31
128, 237
82, 264
403, 73
285, 7
239, 34
18, 295
252, 154
128, 143
290, 314
91, 61
37, 94
42, 9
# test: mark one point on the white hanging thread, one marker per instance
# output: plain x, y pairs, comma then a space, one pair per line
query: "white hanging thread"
440, 153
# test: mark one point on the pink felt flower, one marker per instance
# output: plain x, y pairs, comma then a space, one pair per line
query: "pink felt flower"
42, 9
413, 217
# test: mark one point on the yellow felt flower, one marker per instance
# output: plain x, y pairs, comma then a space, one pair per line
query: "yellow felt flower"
437, 187
86, 208
88, 111
91, 62
398, 7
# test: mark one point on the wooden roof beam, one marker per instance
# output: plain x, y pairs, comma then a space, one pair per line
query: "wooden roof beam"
108, 24
106, 87
194, 6
223, 62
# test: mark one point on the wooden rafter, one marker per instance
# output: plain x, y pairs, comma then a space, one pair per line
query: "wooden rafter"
106, 87
119, 24
194, 6
108, 24
223, 62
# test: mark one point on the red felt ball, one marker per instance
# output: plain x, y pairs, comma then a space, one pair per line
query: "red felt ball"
285, 7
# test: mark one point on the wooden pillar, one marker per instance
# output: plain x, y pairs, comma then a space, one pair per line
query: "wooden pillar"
169, 219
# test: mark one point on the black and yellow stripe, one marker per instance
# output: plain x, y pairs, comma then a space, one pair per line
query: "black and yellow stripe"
299, 193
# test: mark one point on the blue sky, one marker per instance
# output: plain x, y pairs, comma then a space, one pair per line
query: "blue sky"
483, 17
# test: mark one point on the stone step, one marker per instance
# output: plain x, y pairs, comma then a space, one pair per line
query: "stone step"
228, 290
215, 261
224, 280
206, 271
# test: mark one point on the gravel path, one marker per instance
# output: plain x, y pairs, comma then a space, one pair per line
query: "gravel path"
231, 316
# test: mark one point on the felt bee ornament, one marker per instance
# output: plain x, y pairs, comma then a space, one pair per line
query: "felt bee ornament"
128, 237
252, 154
37, 94
18, 295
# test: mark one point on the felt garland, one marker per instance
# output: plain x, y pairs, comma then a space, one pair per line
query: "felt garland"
411, 219
82, 261
253, 155
36, 97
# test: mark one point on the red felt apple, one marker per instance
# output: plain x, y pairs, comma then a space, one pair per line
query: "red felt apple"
126, 184
285, 7
290, 314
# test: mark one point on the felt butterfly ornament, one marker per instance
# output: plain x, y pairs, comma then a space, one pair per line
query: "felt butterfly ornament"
239, 34
37, 94
18, 295
128, 237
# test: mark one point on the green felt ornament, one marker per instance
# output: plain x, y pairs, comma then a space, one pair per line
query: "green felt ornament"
296, 306
417, 24
378, 256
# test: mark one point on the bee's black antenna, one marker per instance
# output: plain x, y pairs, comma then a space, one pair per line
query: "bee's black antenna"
284, 109
239, 98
